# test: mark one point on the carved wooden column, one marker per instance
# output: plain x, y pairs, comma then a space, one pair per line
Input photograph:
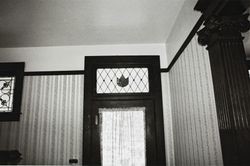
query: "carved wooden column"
222, 36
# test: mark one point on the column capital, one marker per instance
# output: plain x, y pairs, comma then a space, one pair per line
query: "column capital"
223, 26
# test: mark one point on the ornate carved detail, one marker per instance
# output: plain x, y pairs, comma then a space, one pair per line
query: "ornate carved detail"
6, 94
122, 82
218, 24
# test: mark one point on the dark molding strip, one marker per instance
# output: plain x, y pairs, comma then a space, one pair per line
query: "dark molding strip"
39, 73
164, 70
70, 72
214, 8
186, 42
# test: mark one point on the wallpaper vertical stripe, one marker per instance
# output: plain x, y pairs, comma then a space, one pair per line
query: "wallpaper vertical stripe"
195, 125
51, 125
167, 115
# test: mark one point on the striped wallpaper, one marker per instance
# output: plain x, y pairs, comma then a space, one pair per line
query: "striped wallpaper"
195, 125
167, 115
50, 128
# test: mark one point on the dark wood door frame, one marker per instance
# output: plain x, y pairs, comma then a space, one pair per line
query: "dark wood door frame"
151, 100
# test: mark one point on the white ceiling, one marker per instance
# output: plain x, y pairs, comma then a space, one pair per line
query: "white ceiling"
85, 22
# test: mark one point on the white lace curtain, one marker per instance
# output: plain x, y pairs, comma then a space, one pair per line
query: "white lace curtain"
123, 141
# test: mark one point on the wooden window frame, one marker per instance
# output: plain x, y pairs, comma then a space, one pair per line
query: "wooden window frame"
13, 70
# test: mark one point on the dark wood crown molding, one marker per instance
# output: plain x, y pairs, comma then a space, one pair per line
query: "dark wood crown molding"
229, 20
223, 25
203, 5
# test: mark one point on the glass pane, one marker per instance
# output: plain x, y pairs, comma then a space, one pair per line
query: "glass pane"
123, 136
6, 93
122, 80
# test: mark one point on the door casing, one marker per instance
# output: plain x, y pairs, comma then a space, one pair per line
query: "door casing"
155, 142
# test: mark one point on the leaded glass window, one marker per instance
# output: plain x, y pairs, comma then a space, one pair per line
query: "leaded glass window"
6, 93
122, 80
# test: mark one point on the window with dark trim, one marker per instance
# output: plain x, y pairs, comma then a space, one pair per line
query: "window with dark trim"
120, 83
11, 84
122, 80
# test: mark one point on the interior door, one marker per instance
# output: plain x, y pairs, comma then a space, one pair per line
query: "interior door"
123, 122
118, 113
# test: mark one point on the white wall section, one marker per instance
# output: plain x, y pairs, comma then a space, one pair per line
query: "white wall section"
195, 125
183, 26
72, 57
57, 59
51, 125
167, 116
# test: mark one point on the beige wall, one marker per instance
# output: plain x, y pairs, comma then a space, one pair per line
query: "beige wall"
50, 128
193, 111
184, 23
72, 57
195, 125
39, 121
168, 127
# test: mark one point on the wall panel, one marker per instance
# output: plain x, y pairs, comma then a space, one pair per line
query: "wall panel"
50, 128
195, 125
168, 124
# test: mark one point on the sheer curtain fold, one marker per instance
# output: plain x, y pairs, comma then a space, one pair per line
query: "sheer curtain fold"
123, 140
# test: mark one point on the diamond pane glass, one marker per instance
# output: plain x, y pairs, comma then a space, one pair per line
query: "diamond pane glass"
122, 80
6, 93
